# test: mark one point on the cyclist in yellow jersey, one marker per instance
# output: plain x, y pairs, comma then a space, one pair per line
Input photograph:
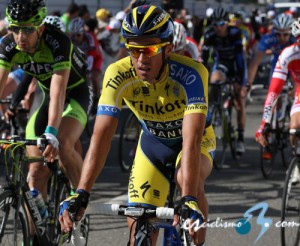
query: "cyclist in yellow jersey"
168, 94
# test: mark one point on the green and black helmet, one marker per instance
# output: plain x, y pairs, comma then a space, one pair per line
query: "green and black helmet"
20, 12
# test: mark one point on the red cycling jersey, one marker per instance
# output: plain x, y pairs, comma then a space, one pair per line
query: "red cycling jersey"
287, 63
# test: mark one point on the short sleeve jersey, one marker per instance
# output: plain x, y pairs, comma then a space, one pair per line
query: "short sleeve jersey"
160, 107
56, 52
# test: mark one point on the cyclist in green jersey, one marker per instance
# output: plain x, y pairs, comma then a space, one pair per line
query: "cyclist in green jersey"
47, 54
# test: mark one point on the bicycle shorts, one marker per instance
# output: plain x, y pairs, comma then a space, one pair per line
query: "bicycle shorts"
150, 176
77, 105
228, 68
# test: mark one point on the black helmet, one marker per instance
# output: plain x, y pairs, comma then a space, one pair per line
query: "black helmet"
219, 14
148, 21
26, 12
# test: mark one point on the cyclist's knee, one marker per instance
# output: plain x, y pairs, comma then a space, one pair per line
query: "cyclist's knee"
39, 172
66, 147
217, 76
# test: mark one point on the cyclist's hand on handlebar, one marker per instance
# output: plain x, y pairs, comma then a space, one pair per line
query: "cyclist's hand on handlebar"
261, 133
10, 112
72, 209
51, 150
187, 208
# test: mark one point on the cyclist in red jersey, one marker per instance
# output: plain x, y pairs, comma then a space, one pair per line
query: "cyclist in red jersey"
287, 63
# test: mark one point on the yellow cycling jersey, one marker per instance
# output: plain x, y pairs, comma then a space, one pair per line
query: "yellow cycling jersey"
160, 107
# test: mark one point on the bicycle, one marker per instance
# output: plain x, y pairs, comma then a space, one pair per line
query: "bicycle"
277, 134
128, 141
222, 123
290, 208
150, 219
17, 124
17, 205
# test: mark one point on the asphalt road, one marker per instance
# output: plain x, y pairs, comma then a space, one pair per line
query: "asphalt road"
230, 192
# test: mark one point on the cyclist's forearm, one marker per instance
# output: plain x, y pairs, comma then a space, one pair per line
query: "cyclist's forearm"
3, 78
254, 66
57, 97
193, 128
271, 99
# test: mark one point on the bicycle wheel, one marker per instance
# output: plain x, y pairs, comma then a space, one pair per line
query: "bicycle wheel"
230, 134
290, 209
129, 136
13, 221
142, 233
218, 123
267, 164
59, 190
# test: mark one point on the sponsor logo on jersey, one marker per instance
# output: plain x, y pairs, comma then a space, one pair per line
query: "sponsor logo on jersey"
77, 60
183, 74
196, 107
9, 47
168, 129
34, 68
59, 58
136, 91
53, 42
158, 109
121, 77
145, 91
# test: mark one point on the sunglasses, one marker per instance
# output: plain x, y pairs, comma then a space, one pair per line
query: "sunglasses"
23, 29
220, 23
149, 50
282, 34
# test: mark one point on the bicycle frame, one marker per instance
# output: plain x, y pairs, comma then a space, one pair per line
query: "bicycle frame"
18, 185
221, 110
23, 193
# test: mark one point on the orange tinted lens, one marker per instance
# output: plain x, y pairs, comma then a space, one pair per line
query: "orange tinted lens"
147, 51
135, 52
151, 51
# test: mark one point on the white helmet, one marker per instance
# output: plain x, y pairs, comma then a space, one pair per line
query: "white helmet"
209, 12
55, 21
76, 25
283, 21
296, 28
179, 40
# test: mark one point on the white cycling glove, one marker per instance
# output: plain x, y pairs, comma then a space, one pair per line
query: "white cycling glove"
52, 140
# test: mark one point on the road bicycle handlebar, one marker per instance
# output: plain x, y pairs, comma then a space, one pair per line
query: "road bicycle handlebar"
134, 211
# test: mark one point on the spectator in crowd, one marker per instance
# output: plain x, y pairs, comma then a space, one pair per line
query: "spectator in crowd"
72, 12
84, 12
103, 16
110, 42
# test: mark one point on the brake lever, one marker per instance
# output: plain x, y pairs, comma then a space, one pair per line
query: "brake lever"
42, 142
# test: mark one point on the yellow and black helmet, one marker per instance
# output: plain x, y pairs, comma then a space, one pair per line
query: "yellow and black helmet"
148, 21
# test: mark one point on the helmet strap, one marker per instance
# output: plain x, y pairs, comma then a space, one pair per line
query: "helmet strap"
38, 42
